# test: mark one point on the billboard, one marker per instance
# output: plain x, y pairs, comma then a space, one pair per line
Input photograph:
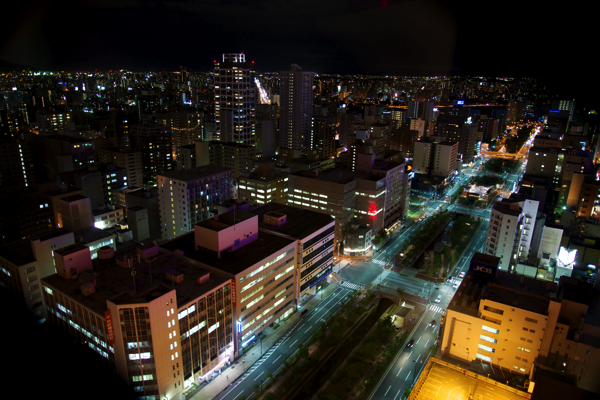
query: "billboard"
109, 328
233, 293
483, 264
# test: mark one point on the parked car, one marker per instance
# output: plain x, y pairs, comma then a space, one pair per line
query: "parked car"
462, 275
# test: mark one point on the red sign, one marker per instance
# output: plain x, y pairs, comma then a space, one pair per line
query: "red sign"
109, 327
233, 293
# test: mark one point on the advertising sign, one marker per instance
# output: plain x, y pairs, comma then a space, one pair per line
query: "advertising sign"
233, 293
109, 328
484, 264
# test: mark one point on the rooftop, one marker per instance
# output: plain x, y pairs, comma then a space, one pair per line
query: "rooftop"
225, 220
18, 253
193, 174
234, 262
299, 223
91, 235
336, 175
115, 283
73, 197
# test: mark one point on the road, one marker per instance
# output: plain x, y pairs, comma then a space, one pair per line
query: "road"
285, 347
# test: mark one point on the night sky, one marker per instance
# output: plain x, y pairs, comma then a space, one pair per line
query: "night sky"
504, 38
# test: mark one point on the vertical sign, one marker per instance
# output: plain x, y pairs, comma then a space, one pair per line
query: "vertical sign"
233, 293
109, 328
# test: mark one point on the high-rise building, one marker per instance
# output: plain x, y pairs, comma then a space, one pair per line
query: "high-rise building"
153, 141
66, 153
296, 91
323, 132
188, 196
186, 128
234, 100
431, 157
50, 122
17, 169
461, 130
186, 156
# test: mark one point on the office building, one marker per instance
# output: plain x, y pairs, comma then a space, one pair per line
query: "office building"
187, 307
296, 90
99, 183
460, 130
315, 235
131, 161
227, 155
521, 323
402, 139
263, 183
431, 157
25, 214
25, 262
188, 196
149, 201
234, 100
261, 265
186, 128
66, 153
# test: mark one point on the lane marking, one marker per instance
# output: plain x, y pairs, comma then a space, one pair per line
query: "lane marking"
277, 358
407, 375
294, 343
397, 394
428, 339
419, 339
239, 394
259, 376
309, 328
399, 372
388, 390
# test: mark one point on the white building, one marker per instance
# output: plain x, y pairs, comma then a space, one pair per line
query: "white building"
262, 267
189, 196
510, 231
315, 234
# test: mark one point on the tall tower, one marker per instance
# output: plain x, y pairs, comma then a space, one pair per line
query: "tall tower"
234, 100
296, 92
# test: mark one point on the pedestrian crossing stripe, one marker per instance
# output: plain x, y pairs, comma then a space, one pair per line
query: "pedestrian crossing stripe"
380, 262
437, 309
351, 286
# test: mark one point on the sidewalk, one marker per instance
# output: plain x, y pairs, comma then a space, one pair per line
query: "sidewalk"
230, 374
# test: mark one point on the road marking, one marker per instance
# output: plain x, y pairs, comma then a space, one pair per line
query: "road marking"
239, 394
408, 375
386, 392
301, 326
429, 339
397, 394
294, 343
408, 356
309, 328
418, 339
259, 376
399, 372
277, 358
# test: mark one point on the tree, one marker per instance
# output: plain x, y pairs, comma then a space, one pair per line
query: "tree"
407, 391
269, 396
401, 293
433, 349
270, 376
302, 351
257, 389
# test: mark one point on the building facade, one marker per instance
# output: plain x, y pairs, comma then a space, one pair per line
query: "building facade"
296, 91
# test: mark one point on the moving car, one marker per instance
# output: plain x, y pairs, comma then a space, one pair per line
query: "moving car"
432, 323
410, 343
462, 275
438, 299
455, 286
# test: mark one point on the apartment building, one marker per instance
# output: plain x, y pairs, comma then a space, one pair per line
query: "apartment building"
186, 156
261, 265
432, 157
511, 230
188, 196
315, 235
187, 308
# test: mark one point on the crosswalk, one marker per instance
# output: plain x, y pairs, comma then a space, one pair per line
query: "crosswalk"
437, 309
265, 356
455, 281
380, 262
351, 286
